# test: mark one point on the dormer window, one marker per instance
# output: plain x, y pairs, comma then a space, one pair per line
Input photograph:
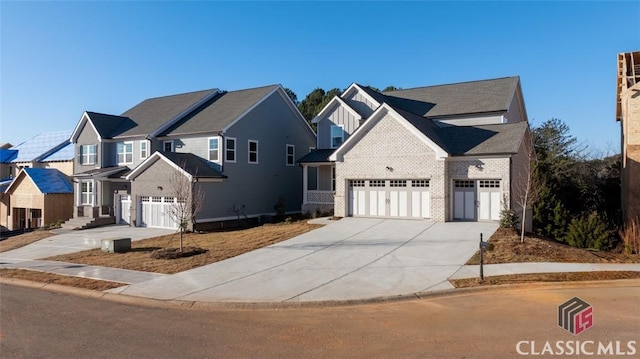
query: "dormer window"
167, 146
337, 135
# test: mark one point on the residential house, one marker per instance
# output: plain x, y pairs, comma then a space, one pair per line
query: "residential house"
628, 114
239, 148
25, 203
445, 153
39, 197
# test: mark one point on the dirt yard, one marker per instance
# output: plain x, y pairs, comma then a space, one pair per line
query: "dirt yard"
508, 249
543, 277
218, 246
42, 277
23, 239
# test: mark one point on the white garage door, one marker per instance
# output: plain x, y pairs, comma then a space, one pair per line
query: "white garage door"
389, 198
156, 212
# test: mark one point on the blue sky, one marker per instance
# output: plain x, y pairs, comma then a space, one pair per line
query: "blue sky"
59, 59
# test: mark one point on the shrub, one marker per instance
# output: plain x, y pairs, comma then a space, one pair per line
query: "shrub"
508, 219
590, 231
630, 235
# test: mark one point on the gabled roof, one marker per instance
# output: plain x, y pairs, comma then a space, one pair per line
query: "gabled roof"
333, 103
6, 156
41, 145
104, 172
483, 139
109, 126
156, 114
47, 180
189, 164
484, 96
65, 153
221, 111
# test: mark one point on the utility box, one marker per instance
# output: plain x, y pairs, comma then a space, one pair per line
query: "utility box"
116, 245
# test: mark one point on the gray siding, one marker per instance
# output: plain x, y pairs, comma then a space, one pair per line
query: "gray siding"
251, 189
87, 136
339, 116
361, 104
514, 114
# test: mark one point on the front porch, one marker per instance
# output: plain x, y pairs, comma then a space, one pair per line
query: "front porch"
318, 188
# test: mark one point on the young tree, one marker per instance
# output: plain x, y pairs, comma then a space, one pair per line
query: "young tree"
189, 199
528, 184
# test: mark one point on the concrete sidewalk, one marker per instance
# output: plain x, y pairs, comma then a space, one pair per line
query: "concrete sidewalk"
350, 259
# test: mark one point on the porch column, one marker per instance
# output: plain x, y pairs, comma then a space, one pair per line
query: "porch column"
305, 182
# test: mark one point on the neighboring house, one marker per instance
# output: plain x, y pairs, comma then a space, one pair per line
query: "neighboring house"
39, 197
237, 147
51, 150
448, 152
628, 114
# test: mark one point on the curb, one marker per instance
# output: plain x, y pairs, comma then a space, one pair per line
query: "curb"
194, 305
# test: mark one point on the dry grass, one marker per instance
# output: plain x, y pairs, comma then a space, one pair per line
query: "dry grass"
630, 235
544, 277
23, 239
59, 279
508, 249
219, 246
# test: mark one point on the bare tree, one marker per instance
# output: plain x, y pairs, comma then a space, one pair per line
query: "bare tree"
188, 201
528, 184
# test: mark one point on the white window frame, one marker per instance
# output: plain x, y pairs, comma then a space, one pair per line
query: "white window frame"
233, 150
290, 156
249, 152
217, 149
144, 143
124, 154
164, 146
89, 193
331, 136
86, 157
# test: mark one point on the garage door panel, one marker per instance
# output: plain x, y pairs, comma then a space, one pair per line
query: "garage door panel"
485, 206
389, 198
495, 206
402, 204
156, 212
426, 204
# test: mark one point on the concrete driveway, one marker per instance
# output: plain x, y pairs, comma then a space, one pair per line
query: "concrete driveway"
70, 241
349, 259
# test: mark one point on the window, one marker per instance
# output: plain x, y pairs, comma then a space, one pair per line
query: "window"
88, 154
168, 146
420, 183
464, 184
337, 136
376, 183
144, 149
230, 149
291, 155
398, 183
356, 183
489, 184
125, 152
214, 149
86, 192
333, 178
253, 151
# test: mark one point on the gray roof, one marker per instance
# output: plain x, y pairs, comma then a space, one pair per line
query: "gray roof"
317, 156
101, 172
151, 114
483, 96
196, 166
219, 112
483, 139
108, 125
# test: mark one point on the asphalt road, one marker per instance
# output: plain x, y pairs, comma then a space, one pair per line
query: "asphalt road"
37, 323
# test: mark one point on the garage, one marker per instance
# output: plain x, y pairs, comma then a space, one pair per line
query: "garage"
389, 198
476, 200
155, 211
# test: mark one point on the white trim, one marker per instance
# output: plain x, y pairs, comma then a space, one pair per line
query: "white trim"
219, 159
257, 161
147, 145
235, 150
286, 155
76, 131
152, 159
124, 144
188, 110
331, 136
330, 105
362, 91
227, 127
81, 156
92, 193
381, 112
173, 147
